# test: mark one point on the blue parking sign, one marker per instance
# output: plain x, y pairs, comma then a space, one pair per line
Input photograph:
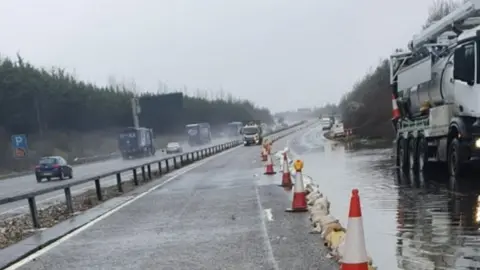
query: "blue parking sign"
19, 145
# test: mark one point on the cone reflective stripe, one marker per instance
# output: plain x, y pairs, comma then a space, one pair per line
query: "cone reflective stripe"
286, 177
395, 110
355, 253
269, 166
299, 202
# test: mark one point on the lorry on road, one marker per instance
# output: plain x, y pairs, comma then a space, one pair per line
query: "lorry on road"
198, 134
436, 93
136, 142
234, 129
252, 133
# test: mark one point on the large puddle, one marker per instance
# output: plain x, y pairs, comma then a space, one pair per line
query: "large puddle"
411, 222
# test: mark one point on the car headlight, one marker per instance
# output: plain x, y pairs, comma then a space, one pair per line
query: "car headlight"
477, 143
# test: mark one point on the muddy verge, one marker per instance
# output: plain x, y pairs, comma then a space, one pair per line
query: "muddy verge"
17, 228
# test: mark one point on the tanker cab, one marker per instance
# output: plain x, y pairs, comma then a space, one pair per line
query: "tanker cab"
466, 79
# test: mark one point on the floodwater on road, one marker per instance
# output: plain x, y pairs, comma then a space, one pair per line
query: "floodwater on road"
411, 222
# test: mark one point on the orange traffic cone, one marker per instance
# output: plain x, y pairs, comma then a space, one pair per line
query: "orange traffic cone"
395, 109
299, 202
286, 177
355, 254
269, 166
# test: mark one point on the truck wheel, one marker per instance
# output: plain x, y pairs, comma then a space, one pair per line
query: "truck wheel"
422, 150
402, 153
412, 154
456, 158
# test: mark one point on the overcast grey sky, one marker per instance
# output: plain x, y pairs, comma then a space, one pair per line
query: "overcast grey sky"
282, 54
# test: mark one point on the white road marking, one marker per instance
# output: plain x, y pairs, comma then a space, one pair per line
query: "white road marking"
266, 238
269, 214
39, 253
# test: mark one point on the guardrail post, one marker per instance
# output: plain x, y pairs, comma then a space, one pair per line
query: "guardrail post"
167, 165
135, 177
149, 171
119, 182
144, 175
68, 199
98, 189
160, 170
33, 212
175, 164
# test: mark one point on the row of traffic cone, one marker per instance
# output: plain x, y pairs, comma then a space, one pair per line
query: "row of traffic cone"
354, 255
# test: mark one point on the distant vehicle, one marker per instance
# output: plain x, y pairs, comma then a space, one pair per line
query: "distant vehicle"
338, 130
136, 142
174, 147
234, 129
252, 133
198, 134
327, 123
53, 167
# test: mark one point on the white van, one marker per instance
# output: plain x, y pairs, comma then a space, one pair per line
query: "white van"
337, 130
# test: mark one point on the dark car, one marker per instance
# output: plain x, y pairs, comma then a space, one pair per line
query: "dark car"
50, 167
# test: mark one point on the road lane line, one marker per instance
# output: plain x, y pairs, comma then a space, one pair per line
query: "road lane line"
266, 238
269, 214
178, 173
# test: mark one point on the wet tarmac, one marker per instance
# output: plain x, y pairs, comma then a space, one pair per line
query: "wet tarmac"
228, 215
411, 222
225, 214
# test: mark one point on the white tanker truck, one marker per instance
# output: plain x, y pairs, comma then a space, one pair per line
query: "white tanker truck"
436, 93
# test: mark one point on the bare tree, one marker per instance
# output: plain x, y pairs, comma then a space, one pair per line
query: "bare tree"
439, 9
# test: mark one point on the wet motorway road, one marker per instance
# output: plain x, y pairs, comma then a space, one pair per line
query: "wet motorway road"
28, 183
222, 214
411, 222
